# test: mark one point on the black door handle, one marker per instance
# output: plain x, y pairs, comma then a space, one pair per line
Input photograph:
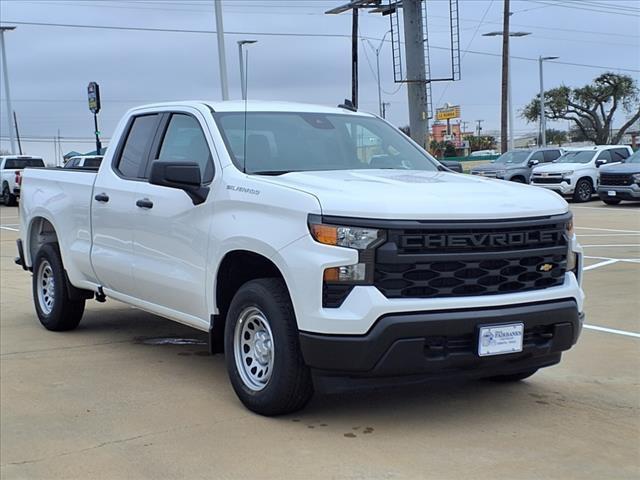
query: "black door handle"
102, 197
144, 203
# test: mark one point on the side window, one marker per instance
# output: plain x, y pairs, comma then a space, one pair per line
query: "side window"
537, 156
184, 141
134, 152
73, 163
605, 155
619, 154
551, 155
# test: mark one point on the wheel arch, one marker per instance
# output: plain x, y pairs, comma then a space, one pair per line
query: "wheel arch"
41, 231
236, 268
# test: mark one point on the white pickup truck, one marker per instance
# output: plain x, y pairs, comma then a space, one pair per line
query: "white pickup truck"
319, 247
11, 167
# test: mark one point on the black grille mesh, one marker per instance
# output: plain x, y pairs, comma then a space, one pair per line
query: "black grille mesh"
619, 180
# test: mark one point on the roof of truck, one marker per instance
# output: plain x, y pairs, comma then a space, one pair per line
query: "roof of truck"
258, 106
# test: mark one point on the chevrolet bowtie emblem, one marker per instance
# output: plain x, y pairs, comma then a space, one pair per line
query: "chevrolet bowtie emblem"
545, 267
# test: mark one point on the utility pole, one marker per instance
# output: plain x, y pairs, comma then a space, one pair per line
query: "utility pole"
354, 58
7, 94
463, 127
479, 122
416, 73
15, 121
543, 120
505, 78
377, 52
222, 60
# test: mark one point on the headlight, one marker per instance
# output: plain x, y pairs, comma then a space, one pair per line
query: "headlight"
359, 238
568, 173
572, 261
636, 178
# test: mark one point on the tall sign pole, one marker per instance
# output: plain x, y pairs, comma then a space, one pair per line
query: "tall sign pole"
222, 59
504, 109
7, 95
93, 92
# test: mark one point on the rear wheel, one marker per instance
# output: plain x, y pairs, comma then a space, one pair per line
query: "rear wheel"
7, 197
50, 296
611, 201
583, 190
513, 377
263, 355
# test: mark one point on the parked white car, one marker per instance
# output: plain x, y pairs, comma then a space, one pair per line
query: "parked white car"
11, 167
576, 172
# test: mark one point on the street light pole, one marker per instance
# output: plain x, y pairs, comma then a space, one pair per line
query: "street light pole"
377, 52
243, 83
12, 138
543, 120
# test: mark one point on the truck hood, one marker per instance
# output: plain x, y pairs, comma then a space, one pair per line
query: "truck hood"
420, 195
561, 167
492, 167
621, 168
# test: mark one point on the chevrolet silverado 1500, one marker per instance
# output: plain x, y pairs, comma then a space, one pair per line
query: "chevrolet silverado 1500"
316, 246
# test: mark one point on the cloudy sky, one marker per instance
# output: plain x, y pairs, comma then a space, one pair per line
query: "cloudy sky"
301, 55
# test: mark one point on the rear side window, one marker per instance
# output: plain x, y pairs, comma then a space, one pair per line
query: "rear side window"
619, 154
184, 141
551, 155
74, 162
92, 162
135, 150
537, 156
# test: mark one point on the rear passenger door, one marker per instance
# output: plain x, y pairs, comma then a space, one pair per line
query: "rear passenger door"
113, 206
171, 234
551, 155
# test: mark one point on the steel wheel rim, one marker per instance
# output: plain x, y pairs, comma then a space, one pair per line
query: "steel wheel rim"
253, 348
46, 287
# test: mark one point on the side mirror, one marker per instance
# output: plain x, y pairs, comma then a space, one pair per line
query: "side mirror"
181, 175
533, 163
599, 163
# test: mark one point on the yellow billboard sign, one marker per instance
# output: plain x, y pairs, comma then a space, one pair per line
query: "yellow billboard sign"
447, 113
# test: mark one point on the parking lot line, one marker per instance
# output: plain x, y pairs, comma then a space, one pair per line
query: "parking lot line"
9, 228
631, 260
607, 234
601, 264
606, 230
603, 210
612, 330
614, 245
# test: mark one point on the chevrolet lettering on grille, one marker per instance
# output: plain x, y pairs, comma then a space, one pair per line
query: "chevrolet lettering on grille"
507, 239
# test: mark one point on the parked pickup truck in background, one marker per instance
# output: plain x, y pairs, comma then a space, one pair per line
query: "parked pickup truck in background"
516, 165
11, 167
575, 173
84, 161
620, 182
314, 259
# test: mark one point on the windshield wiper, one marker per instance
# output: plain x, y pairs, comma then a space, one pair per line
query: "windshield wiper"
271, 172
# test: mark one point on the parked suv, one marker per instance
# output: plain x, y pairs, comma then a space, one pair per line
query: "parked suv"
516, 165
620, 182
576, 172
11, 167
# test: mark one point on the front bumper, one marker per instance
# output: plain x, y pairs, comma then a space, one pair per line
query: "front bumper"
622, 193
444, 343
563, 188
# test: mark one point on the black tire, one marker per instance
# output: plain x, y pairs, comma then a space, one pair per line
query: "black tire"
610, 201
518, 180
8, 198
289, 386
55, 310
583, 190
514, 377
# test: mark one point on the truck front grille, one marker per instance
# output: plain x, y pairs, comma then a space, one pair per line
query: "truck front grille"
615, 180
467, 259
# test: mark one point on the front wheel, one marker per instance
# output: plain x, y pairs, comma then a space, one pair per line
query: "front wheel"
263, 357
583, 191
53, 306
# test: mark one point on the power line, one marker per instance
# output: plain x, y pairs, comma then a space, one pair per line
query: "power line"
283, 34
584, 8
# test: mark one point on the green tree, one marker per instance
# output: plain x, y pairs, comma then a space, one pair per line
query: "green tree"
480, 143
592, 107
449, 150
556, 137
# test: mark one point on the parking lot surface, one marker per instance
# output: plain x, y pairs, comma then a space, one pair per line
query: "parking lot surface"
113, 400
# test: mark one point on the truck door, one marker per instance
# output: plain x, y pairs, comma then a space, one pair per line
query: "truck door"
171, 235
113, 206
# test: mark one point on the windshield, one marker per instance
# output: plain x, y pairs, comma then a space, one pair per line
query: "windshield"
635, 158
513, 157
20, 163
579, 156
281, 142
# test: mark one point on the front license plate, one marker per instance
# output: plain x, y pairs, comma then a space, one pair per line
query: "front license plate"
500, 339
611, 193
